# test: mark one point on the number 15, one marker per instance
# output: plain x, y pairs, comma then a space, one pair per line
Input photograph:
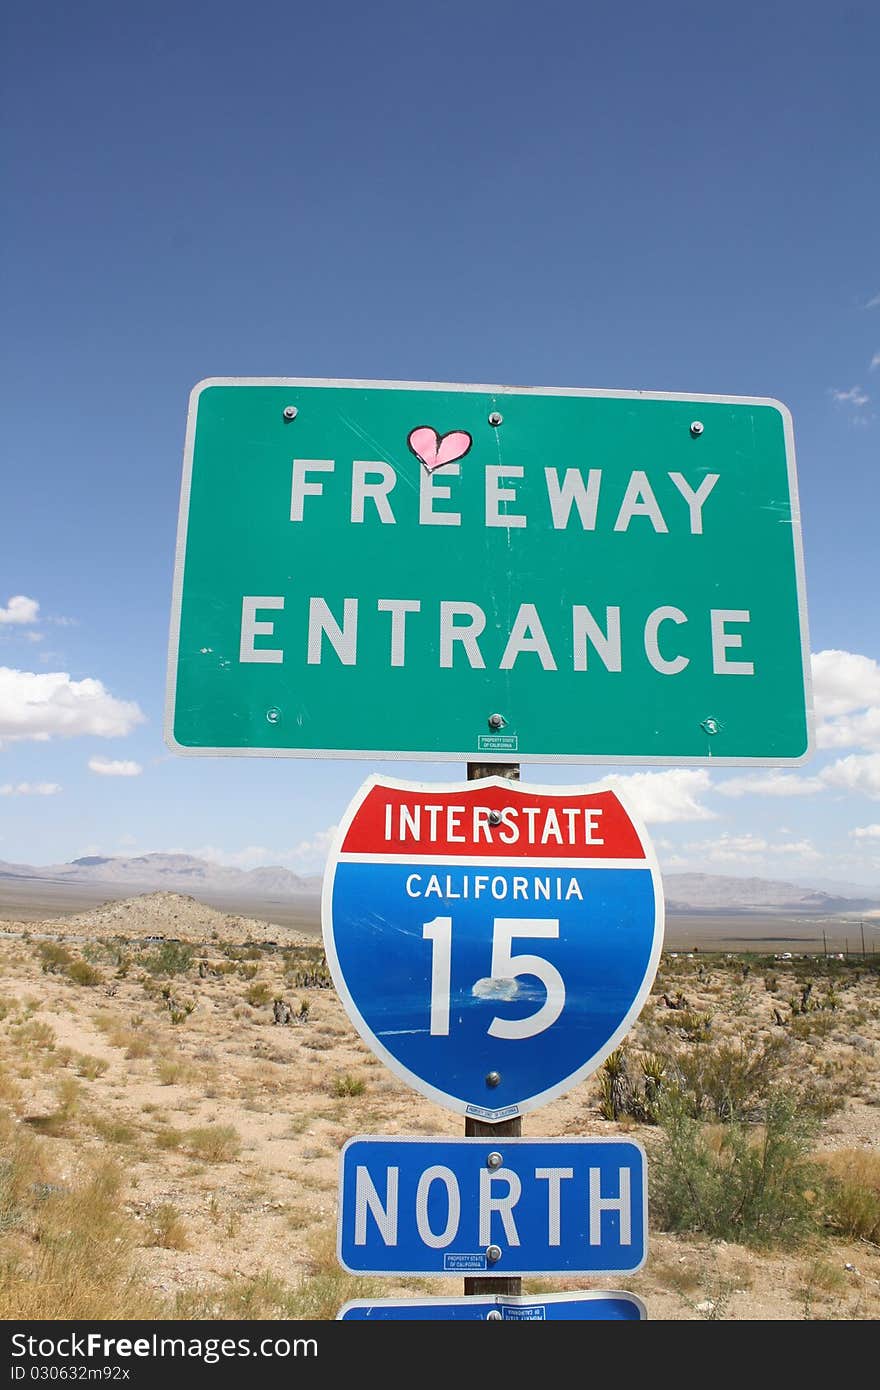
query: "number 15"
505, 966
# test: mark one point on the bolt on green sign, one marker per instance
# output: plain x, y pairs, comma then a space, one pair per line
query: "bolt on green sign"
409, 570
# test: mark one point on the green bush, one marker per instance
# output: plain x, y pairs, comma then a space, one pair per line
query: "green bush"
54, 958
752, 1184
81, 973
348, 1086
172, 958
729, 1081
258, 993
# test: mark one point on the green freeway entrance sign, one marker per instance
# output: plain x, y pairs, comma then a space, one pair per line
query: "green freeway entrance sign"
402, 570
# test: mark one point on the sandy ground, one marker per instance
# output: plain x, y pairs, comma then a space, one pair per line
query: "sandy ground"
294, 1094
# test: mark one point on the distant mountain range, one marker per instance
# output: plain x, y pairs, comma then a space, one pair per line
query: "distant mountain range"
724, 893
178, 872
685, 893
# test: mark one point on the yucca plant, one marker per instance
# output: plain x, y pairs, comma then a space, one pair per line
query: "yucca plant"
614, 1083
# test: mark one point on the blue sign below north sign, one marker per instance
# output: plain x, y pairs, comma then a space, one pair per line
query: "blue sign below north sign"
585, 1306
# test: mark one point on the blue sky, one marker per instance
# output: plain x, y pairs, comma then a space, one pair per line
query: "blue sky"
673, 198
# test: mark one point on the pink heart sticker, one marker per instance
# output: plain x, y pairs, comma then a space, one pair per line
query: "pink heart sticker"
433, 449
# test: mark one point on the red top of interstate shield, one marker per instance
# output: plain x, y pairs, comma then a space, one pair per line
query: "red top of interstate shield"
500, 818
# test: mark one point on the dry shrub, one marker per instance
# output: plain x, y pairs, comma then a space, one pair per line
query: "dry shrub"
54, 958
258, 993
212, 1143
59, 1121
136, 1044
78, 1262
168, 1138
34, 1034
23, 1169
348, 1085
166, 1229
90, 1067
10, 1092
852, 1193
113, 1130
172, 1071
79, 972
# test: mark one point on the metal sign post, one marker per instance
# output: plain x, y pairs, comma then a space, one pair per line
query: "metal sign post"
478, 1129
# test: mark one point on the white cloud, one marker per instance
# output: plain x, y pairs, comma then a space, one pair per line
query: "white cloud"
866, 832
31, 789
251, 857
851, 731
115, 767
20, 609
729, 846
51, 704
873, 303
844, 681
662, 797
307, 857
857, 773
314, 850
854, 396
770, 784
875, 361
746, 849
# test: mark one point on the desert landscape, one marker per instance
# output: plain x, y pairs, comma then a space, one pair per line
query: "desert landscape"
169, 1149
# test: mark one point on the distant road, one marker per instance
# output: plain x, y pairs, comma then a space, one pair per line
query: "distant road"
757, 931
36, 899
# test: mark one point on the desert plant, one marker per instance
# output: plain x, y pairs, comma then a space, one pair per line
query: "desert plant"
851, 1193
54, 957
165, 1228
81, 973
348, 1085
728, 1081
692, 1025
172, 958
213, 1143
753, 1184
306, 971
180, 1009
614, 1085
258, 993
90, 1067
78, 1265
172, 1071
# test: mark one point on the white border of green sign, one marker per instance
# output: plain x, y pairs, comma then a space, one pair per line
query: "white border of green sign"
485, 753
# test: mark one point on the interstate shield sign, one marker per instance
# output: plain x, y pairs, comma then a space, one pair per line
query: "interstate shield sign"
491, 941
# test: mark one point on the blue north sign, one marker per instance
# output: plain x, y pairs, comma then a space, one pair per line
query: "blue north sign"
481, 1206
